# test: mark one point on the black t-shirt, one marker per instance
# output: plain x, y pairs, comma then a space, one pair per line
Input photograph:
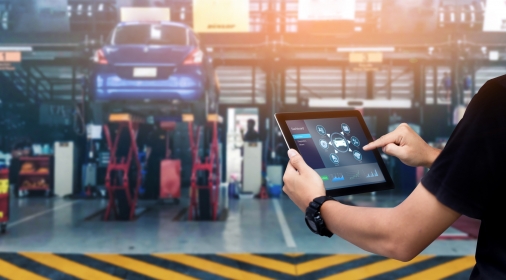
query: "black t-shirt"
469, 175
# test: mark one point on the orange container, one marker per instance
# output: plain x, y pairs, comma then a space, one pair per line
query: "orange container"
170, 179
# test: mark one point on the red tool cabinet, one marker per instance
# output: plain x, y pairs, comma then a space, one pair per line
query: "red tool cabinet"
4, 199
170, 179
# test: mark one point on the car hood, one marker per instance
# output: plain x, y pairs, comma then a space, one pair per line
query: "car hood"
146, 54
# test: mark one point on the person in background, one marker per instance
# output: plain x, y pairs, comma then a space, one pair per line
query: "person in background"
251, 134
467, 83
156, 150
446, 84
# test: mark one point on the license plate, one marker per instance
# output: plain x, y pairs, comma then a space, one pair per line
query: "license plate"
145, 72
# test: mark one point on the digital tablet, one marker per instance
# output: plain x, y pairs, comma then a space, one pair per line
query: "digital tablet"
332, 144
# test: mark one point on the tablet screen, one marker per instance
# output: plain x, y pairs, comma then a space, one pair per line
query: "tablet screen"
333, 148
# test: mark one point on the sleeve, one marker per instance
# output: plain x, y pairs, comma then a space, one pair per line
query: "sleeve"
463, 176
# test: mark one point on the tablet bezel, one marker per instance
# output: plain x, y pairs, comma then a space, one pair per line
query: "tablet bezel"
281, 119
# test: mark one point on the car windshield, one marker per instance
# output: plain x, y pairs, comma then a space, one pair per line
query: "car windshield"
142, 34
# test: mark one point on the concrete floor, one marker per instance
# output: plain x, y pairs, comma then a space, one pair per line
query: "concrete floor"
254, 226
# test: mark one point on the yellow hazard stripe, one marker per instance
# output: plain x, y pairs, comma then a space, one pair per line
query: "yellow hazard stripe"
211, 267
264, 262
322, 263
375, 269
10, 271
294, 255
140, 267
68, 266
444, 270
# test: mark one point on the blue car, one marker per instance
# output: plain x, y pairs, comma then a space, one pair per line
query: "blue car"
153, 61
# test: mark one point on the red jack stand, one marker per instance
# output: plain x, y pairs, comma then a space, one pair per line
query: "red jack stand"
117, 178
263, 193
210, 167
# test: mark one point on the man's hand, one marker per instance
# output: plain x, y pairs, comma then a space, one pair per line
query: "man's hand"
302, 184
406, 145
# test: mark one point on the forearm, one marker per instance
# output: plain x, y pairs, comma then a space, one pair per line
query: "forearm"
400, 233
368, 228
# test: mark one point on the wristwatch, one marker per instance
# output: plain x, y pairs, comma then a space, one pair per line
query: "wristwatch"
314, 220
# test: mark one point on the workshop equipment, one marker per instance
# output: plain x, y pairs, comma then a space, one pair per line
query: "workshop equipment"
252, 167
4, 199
205, 179
123, 177
64, 168
170, 179
35, 175
170, 169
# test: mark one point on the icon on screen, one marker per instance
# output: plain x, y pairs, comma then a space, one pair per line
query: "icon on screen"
357, 155
324, 144
346, 128
321, 130
334, 158
355, 141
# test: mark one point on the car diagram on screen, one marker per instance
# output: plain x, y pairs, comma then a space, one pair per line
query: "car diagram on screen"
339, 142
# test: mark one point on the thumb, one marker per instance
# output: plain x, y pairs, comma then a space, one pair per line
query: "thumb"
392, 150
296, 160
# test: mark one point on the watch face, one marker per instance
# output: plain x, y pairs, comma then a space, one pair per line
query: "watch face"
311, 224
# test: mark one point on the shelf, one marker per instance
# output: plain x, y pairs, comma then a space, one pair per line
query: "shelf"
41, 158
43, 188
34, 174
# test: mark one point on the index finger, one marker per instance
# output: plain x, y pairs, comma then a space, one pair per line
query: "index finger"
392, 137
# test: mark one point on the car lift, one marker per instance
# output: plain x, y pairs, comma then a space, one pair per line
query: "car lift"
210, 166
121, 167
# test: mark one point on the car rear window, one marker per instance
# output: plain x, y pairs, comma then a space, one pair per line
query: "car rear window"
156, 34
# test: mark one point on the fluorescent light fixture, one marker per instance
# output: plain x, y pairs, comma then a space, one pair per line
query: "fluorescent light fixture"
16, 49
144, 14
366, 49
493, 55
359, 103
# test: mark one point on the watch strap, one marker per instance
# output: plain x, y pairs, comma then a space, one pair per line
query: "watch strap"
313, 213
